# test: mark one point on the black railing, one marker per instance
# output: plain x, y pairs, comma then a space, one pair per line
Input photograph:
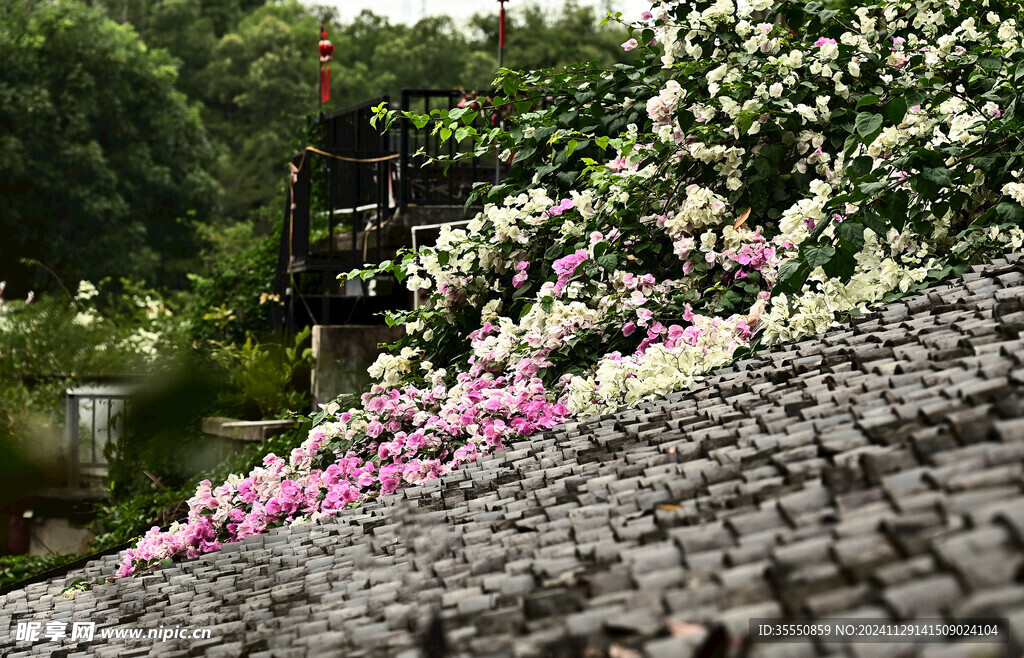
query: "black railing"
427, 183
341, 191
345, 196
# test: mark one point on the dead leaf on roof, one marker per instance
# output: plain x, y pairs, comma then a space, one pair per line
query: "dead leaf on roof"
619, 651
684, 628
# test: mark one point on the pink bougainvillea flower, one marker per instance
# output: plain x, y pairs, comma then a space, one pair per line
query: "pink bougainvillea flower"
565, 268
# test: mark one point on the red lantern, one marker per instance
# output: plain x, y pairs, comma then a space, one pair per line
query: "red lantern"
326, 49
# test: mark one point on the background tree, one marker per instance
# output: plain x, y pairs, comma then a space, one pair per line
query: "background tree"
537, 38
103, 163
259, 88
252, 66
125, 166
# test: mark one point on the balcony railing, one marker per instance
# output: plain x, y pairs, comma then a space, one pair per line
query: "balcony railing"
352, 199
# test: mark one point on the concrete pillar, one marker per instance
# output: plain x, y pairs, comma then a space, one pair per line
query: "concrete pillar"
343, 353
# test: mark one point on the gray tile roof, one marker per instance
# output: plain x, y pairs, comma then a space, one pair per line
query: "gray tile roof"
875, 471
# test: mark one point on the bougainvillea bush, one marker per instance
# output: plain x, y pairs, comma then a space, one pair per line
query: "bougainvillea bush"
762, 170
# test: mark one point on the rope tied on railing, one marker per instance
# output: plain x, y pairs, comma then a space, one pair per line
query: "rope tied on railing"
294, 177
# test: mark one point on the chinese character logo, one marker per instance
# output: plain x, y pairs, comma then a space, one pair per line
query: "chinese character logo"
28, 631
83, 630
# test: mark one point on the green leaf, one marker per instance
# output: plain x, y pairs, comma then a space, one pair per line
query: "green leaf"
525, 288
843, 263
873, 221
850, 146
852, 232
872, 187
1010, 212
861, 166
938, 175
816, 255
991, 62
609, 262
868, 124
894, 207
896, 110
867, 99
792, 274
729, 300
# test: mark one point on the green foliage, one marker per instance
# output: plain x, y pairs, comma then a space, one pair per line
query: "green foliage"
230, 296
15, 568
101, 158
85, 336
164, 445
266, 376
253, 67
539, 38
258, 86
120, 521
563, 121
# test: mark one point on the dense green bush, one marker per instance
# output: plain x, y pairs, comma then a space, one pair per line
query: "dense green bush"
231, 296
266, 380
15, 568
101, 158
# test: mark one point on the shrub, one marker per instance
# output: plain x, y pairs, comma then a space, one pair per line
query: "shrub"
15, 568
266, 380
762, 170
229, 298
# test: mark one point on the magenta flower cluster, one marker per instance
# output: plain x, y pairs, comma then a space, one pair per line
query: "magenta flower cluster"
565, 268
408, 435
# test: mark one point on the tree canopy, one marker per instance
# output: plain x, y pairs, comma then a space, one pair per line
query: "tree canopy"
126, 123
252, 66
103, 163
